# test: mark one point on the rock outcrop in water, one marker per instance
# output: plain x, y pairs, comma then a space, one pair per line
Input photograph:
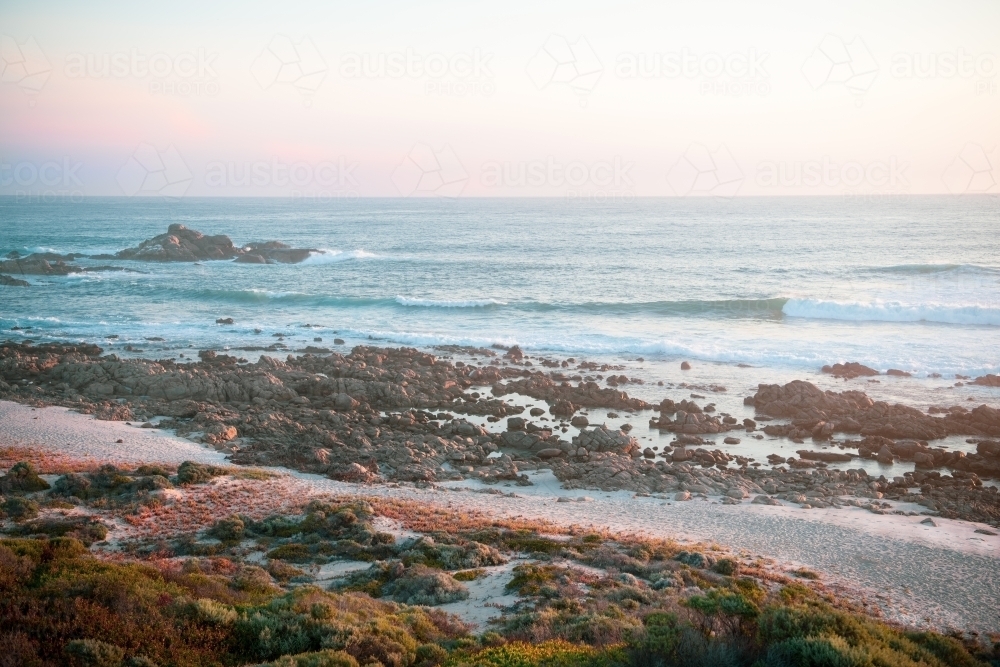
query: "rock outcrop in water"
10, 281
180, 244
850, 370
41, 264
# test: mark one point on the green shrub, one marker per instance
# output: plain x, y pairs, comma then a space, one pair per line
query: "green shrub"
423, 586
60, 605
814, 652
72, 484
803, 573
93, 653
726, 566
86, 529
22, 478
190, 472
229, 529
20, 509
296, 553
326, 658
546, 654
529, 578
150, 470
110, 478
429, 655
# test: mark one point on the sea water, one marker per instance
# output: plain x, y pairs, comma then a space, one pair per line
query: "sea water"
783, 285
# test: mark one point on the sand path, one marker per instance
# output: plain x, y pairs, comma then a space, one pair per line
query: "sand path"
942, 577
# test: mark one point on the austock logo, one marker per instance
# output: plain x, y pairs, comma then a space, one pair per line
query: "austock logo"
23, 64
560, 62
702, 171
835, 62
297, 64
152, 172
974, 170
425, 171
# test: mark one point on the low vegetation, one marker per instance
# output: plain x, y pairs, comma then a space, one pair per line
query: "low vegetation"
245, 591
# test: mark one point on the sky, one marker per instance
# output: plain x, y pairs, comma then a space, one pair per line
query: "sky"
607, 101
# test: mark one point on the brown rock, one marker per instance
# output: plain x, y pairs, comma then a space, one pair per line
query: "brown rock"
988, 381
850, 370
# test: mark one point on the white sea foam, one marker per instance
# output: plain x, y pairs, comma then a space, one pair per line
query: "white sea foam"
446, 303
326, 256
893, 311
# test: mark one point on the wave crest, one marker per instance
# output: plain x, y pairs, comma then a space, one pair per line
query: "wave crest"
892, 312
326, 256
447, 303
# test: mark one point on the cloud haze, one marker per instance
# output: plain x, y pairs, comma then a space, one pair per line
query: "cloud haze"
591, 99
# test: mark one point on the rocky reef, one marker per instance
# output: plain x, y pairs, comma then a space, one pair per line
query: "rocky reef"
403, 415
180, 244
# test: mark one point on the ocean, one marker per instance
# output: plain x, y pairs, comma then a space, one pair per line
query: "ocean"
784, 284
746, 290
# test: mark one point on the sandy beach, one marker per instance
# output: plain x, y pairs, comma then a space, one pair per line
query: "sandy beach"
942, 577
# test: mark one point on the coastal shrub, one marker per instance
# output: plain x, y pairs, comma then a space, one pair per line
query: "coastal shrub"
469, 575
109, 481
810, 632
109, 478
529, 542
429, 655
151, 470
20, 509
556, 653
275, 526
59, 605
254, 581
726, 566
229, 529
93, 653
282, 571
86, 529
190, 472
72, 484
421, 585
295, 553
467, 555
694, 559
23, 478
308, 620
326, 658
529, 579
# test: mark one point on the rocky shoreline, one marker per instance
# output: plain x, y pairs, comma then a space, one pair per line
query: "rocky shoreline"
403, 415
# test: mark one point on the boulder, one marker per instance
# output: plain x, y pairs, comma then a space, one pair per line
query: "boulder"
563, 408
11, 281
987, 381
850, 370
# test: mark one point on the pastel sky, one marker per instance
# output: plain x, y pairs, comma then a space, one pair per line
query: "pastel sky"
569, 99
